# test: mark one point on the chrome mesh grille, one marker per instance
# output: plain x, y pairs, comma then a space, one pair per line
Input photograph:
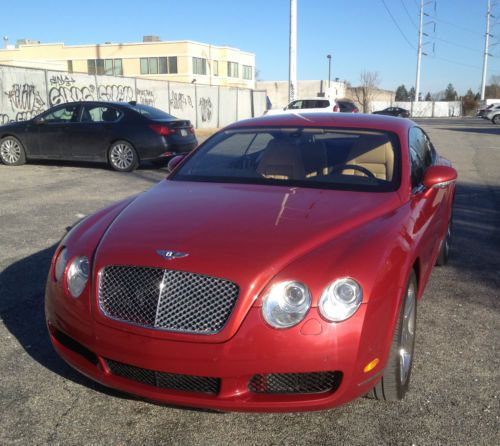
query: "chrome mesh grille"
163, 380
165, 299
314, 382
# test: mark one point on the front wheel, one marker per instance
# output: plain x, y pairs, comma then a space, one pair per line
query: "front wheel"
12, 151
444, 252
123, 157
396, 378
496, 120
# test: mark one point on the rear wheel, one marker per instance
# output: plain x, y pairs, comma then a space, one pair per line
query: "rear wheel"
12, 151
123, 157
396, 378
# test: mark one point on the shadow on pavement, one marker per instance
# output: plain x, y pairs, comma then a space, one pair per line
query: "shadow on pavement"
485, 131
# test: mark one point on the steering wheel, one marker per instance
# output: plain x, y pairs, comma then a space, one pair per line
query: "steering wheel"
354, 167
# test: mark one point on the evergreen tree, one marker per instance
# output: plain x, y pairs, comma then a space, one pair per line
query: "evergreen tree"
428, 96
450, 94
411, 94
401, 93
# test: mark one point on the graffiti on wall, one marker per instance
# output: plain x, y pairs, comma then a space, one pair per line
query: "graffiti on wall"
205, 105
120, 93
62, 89
145, 97
180, 101
4, 119
25, 101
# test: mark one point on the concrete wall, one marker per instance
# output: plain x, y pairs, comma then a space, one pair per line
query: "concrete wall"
277, 91
423, 109
24, 93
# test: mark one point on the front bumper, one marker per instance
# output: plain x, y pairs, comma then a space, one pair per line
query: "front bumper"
314, 346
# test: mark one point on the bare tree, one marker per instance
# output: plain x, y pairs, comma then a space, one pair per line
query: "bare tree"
367, 90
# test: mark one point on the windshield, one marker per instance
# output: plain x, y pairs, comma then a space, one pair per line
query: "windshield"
323, 158
151, 112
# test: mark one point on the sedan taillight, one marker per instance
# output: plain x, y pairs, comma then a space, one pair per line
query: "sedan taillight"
162, 130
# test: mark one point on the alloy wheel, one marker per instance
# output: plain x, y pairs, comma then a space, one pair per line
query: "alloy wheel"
122, 156
10, 151
407, 335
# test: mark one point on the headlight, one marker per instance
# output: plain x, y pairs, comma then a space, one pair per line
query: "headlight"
286, 304
78, 274
340, 300
62, 260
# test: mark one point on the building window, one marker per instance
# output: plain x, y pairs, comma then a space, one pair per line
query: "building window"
118, 67
232, 69
172, 65
153, 65
144, 65
247, 72
99, 66
108, 67
216, 67
70, 66
199, 65
158, 65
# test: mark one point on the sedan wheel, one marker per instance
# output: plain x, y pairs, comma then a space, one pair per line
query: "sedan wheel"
123, 157
444, 252
496, 120
396, 378
12, 151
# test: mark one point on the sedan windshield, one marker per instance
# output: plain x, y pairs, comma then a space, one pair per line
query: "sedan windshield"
322, 158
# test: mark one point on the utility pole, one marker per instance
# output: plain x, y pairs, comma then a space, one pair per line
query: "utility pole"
329, 57
292, 75
419, 50
486, 49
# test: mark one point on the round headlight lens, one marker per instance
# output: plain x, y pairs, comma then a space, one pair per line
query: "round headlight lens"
78, 275
62, 260
340, 300
286, 304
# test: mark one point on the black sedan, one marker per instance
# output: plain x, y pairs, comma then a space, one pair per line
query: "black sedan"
121, 134
393, 111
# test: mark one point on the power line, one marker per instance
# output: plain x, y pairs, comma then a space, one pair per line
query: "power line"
408, 14
458, 26
458, 45
396, 23
455, 63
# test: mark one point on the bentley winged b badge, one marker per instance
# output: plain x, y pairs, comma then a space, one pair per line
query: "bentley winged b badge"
170, 255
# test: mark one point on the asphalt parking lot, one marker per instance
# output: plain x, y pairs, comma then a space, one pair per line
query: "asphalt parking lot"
455, 390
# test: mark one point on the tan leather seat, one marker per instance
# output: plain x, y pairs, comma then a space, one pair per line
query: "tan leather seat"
314, 158
281, 161
374, 153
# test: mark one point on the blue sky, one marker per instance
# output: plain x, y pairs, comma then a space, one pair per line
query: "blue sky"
360, 34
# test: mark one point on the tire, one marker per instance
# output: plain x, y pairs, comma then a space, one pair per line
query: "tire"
496, 119
122, 157
396, 378
12, 152
444, 251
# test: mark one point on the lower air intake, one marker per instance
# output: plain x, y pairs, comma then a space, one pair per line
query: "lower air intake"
171, 381
314, 382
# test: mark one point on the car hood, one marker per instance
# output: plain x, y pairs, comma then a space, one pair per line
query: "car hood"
13, 125
243, 233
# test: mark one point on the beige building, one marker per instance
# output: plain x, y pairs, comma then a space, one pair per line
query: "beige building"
180, 61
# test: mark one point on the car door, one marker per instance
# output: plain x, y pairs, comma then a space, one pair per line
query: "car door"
427, 204
92, 134
54, 129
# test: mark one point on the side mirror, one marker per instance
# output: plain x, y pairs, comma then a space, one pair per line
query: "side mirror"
439, 176
40, 121
174, 162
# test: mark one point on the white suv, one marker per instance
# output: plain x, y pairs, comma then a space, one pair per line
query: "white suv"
312, 105
493, 114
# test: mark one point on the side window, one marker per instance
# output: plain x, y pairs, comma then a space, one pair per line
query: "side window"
417, 151
62, 115
294, 105
98, 113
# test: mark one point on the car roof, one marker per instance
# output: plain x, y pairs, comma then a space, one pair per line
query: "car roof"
114, 103
334, 120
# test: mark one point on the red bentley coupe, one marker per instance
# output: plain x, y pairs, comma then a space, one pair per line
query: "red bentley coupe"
278, 268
